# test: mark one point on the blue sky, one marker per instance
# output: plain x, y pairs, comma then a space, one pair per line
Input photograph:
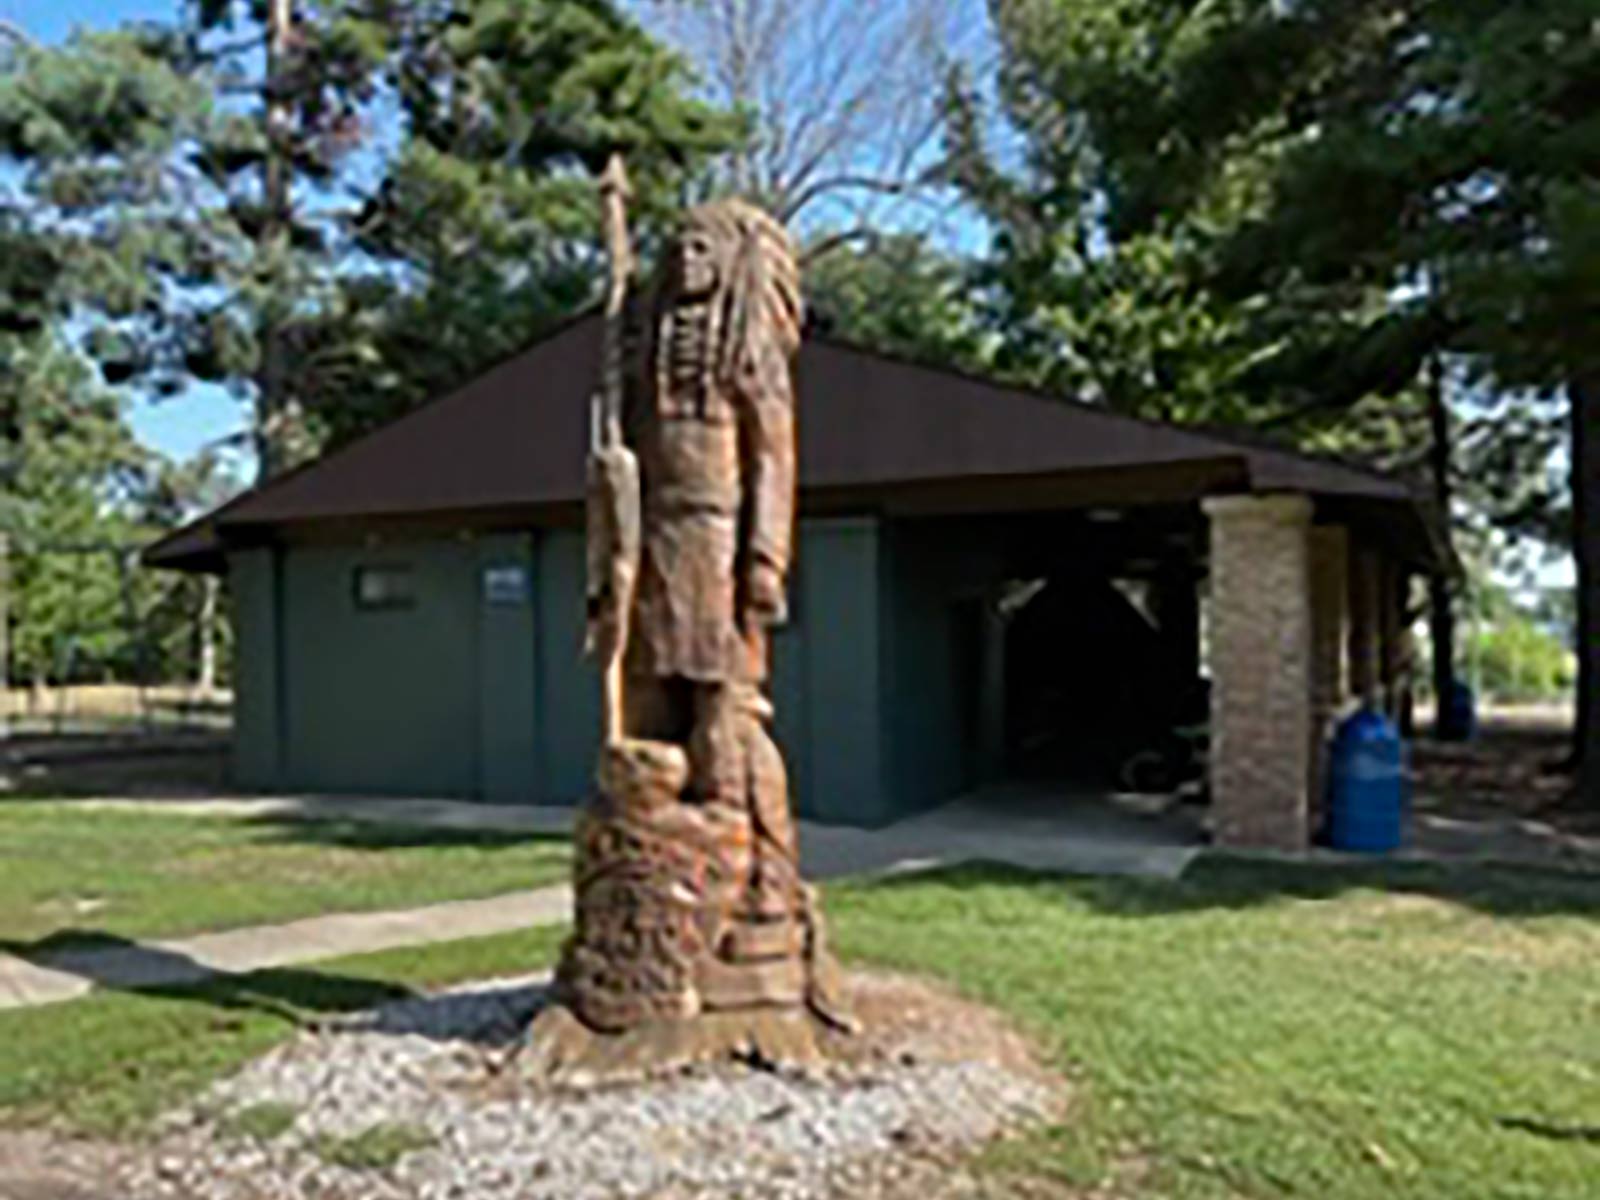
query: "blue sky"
50, 20
184, 424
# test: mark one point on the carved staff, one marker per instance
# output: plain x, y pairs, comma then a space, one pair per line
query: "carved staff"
613, 471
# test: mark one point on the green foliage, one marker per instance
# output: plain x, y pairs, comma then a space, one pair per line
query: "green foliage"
1518, 660
1439, 156
488, 207
150, 155
378, 1148
1273, 213
68, 463
259, 1122
537, 82
1092, 293
900, 296
177, 613
337, 220
1516, 650
77, 110
81, 498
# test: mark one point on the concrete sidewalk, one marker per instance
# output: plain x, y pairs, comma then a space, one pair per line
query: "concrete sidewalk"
68, 974
1035, 826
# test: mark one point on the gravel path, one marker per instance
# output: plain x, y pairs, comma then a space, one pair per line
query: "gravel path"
442, 1071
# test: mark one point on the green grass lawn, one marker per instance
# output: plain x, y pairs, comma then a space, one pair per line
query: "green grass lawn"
1271, 1031
1250, 1031
66, 871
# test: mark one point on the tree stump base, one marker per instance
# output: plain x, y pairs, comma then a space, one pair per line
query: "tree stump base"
564, 1052
694, 937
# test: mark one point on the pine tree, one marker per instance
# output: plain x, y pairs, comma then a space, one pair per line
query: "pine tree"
62, 513
335, 207
197, 172
1091, 292
483, 230
900, 296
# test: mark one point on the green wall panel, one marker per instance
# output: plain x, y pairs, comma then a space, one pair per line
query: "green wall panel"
826, 676
257, 733
567, 712
382, 701
508, 743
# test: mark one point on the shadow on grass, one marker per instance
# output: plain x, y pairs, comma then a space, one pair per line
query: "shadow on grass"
1223, 882
491, 1014
172, 765
121, 964
333, 833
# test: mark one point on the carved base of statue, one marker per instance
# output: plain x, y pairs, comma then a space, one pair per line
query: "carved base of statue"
695, 938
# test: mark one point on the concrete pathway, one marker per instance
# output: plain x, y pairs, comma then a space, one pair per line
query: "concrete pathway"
68, 974
1037, 826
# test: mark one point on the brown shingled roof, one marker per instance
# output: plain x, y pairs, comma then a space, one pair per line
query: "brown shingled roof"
875, 431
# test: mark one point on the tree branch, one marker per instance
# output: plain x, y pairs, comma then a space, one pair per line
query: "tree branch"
10, 31
837, 241
833, 183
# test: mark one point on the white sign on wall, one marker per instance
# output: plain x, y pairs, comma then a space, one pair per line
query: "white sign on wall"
505, 584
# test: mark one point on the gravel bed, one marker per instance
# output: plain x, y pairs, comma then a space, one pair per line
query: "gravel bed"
442, 1069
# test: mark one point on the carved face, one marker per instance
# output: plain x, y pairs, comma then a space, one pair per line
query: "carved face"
697, 262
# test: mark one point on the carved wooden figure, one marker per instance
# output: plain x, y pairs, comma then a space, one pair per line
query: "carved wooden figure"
694, 934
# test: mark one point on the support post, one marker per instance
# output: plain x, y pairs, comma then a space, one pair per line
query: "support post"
1330, 588
5, 644
1391, 635
1261, 669
1364, 623
1441, 597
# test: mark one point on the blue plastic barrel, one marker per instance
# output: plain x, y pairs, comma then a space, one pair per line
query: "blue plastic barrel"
1458, 714
1366, 785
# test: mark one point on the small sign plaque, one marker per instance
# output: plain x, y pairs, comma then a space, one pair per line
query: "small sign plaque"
505, 584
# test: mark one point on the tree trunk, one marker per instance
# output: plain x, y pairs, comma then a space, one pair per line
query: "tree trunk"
276, 417
207, 681
5, 645
1584, 394
1441, 602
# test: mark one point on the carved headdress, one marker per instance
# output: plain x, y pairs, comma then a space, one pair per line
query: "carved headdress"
754, 313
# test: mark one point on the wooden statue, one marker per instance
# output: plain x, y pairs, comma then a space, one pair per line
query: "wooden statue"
694, 934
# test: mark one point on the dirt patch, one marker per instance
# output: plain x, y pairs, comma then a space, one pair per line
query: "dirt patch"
1506, 771
39, 1166
907, 1020
1501, 796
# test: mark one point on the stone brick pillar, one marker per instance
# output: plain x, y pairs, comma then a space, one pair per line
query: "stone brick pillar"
1261, 669
1330, 592
1364, 623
